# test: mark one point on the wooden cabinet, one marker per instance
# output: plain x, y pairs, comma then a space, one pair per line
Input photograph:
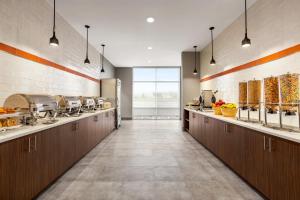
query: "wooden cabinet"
26, 182
7, 169
294, 172
46, 152
92, 131
98, 132
201, 129
255, 159
270, 164
29, 164
66, 154
281, 162
191, 124
234, 147
81, 138
211, 134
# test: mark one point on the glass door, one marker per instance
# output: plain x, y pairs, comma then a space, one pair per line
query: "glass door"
156, 93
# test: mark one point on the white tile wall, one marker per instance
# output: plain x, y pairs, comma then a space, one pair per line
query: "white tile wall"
27, 25
21, 76
273, 26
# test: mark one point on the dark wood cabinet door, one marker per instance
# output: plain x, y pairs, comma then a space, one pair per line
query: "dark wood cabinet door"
7, 168
100, 127
82, 139
26, 181
201, 127
66, 146
196, 127
232, 150
191, 124
46, 150
218, 138
281, 163
98, 135
256, 161
294, 172
106, 123
92, 134
211, 132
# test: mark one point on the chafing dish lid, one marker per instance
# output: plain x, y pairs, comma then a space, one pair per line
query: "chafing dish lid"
31, 102
72, 101
87, 101
98, 100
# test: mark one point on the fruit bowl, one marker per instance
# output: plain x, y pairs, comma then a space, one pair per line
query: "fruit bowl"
217, 110
217, 107
229, 112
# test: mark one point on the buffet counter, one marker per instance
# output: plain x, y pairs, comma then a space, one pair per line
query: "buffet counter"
27, 130
288, 135
33, 157
267, 159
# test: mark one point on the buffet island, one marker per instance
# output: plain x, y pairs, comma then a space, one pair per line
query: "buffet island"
41, 137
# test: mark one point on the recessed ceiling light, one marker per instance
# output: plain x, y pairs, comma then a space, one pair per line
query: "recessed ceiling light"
150, 19
149, 48
149, 61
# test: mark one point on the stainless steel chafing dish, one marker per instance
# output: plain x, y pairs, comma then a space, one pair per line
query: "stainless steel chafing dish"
88, 103
99, 102
68, 105
33, 107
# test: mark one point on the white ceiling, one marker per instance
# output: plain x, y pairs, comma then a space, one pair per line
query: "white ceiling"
178, 26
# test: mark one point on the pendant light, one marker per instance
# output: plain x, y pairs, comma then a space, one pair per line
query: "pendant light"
246, 41
87, 61
195, 69
102, 65
212, 61
53, 40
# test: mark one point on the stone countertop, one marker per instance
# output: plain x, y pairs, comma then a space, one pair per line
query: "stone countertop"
288, 135
27, 130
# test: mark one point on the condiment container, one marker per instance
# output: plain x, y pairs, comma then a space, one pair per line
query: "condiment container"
271, 93
289, 92
243, 94
254, 94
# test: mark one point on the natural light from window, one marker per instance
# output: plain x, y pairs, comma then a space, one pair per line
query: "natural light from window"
156, 93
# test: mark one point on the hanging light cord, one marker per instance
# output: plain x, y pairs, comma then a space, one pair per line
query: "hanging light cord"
212, 43
54, 17
195, 57
246, 21
87, 41
102, 56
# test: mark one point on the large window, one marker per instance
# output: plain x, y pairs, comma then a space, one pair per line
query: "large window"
156, 93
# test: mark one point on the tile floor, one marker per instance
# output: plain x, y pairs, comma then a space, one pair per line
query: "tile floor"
149, 160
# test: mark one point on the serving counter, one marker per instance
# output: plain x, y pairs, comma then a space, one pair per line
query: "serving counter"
267, 159
32, 157
27, 130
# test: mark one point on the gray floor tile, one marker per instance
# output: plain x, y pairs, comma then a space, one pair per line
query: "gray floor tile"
159, 162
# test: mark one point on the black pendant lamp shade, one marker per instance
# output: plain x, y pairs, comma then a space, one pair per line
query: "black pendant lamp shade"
102, 65
87, 61
212, 61
53, 40
195, 69
246, 41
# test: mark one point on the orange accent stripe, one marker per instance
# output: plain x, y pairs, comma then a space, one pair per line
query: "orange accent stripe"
28, 56
260, 61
